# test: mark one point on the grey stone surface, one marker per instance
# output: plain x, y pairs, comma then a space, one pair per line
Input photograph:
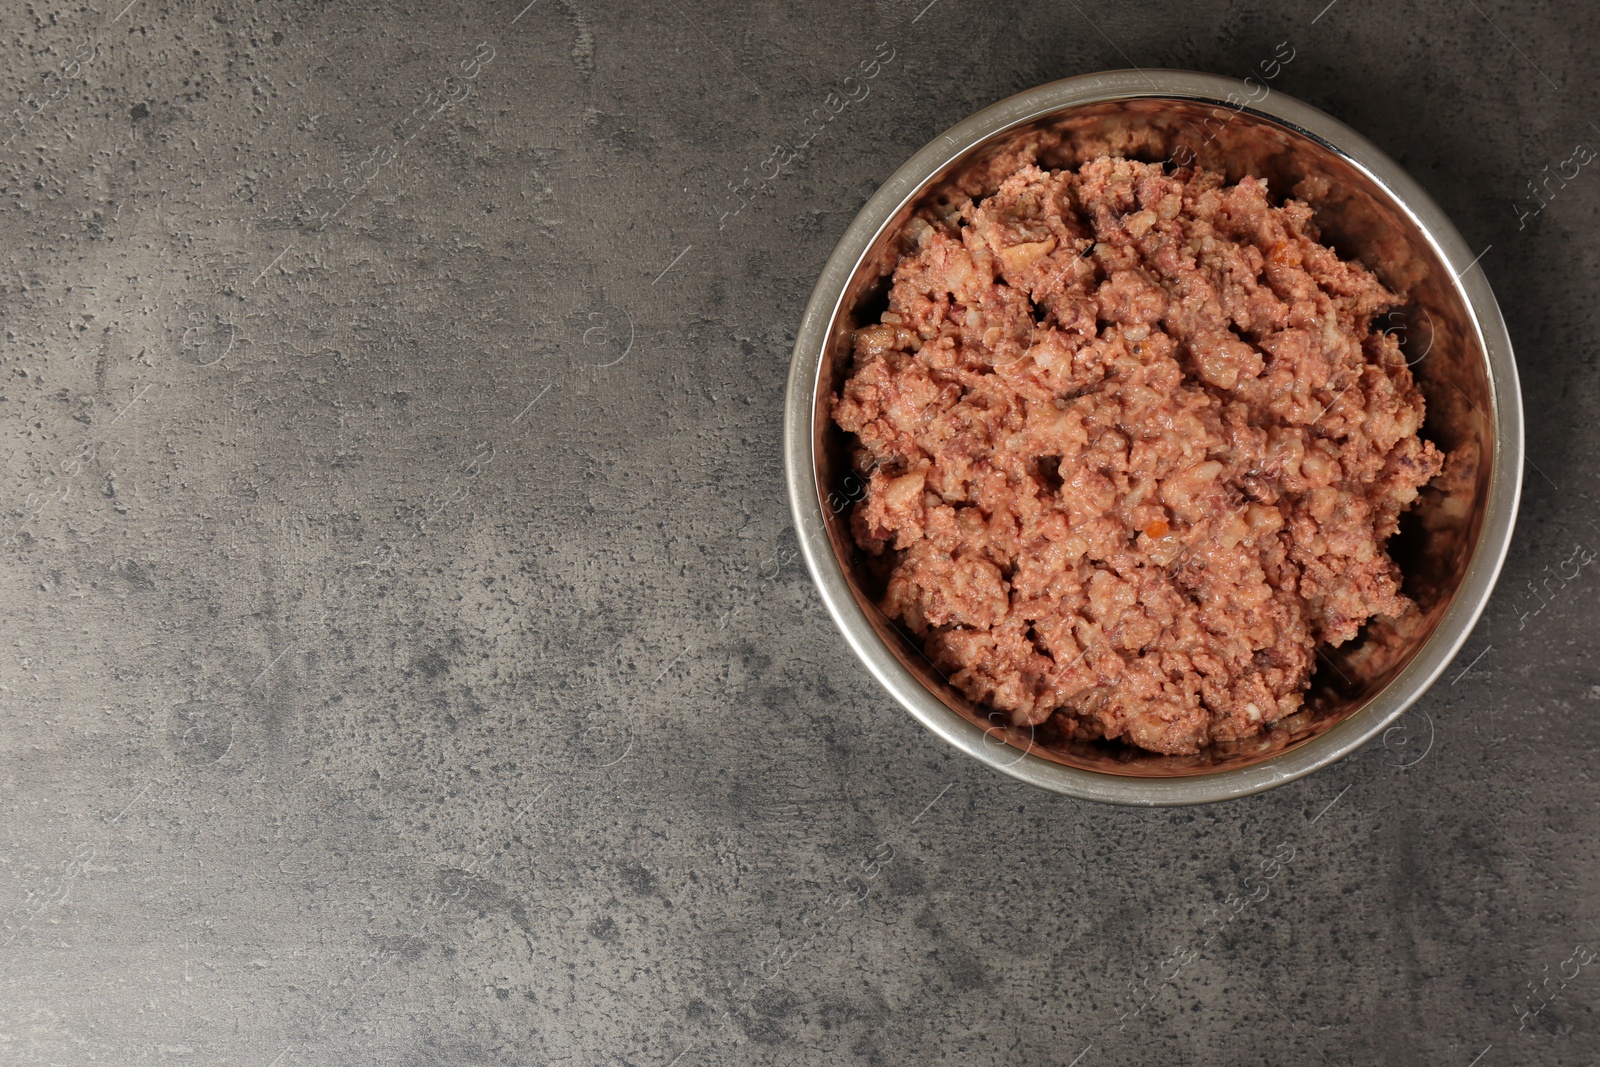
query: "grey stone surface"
397, 666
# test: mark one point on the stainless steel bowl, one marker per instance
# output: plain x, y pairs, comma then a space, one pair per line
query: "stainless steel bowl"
1451, 544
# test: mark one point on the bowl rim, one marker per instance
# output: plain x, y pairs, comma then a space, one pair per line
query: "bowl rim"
1455, 623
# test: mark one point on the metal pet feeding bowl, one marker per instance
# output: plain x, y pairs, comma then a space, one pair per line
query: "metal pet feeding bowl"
1451, 543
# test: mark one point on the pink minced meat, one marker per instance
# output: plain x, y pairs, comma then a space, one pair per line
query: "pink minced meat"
1135, 450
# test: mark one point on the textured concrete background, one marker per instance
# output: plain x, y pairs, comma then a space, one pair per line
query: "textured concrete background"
399, 665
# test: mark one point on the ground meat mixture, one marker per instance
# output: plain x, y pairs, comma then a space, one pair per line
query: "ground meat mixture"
1134, 449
